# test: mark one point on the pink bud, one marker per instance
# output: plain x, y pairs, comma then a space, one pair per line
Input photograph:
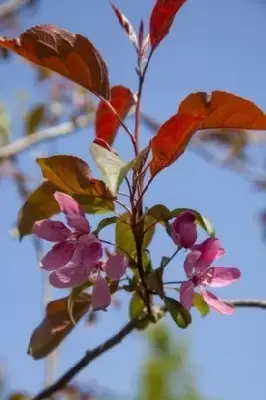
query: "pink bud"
184, 230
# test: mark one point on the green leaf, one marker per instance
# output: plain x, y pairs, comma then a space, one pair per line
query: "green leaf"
200, 304
113, 169
200, 220
160, 212
41, 204
136, 306
179, 314
134, 164
103, 223
164, 261
110, 165
125, 238
34, 118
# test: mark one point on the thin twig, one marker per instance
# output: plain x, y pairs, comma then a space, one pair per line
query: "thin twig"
89, 356
115, 340
248, 303
11, 7
44, 135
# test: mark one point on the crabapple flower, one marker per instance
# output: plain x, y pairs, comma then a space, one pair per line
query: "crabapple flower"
200, 274
114, 269
184, 230
75, 258
76, 251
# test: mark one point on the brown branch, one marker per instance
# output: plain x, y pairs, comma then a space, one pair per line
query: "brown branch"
248, 303
11, 6
91, 355
44, 135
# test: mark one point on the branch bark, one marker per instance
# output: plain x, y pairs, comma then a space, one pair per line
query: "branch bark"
91, 355
11, 6
44, 135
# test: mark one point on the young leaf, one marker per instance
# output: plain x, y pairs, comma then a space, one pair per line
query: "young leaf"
110, 165
171, 140
114, 170
104, 223
125, 238
179, 314
200, 219
71, 174
56, 325
41, 204
224, 110
126, 25
200, 304
162, 17
71, 55
107, 123
136, 306
134, 164
159, 212
34, 118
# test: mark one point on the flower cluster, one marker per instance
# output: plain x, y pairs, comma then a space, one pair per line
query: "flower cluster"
198, 263
76, 256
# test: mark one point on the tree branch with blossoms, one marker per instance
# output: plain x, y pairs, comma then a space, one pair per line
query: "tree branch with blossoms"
78, 260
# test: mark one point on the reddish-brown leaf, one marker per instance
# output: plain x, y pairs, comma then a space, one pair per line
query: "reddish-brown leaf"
71, 55
171, 140
72, 175
161, 19
41, 204
107, 124
56, 325
126, 25
224, 110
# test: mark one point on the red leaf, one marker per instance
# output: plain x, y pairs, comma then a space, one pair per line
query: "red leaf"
171, 140
224, 110
126, 25
56, 325
71, 55
161, 19
107, 124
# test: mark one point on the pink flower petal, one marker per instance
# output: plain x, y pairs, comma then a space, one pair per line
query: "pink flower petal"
115, 267
58, 256
53, 231
184, 230
101, 297
186, 294
190, 262
215, 303
75, 216
210, 249
221, 276
90, 248
68, 276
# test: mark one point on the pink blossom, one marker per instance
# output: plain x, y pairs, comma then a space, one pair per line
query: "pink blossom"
75, 258
200, 274
184, 230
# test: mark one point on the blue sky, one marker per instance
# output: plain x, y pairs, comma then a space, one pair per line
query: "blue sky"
214, 44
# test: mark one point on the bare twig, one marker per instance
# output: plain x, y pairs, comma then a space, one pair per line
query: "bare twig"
91, 355
44, 135
248, 303
11, 6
